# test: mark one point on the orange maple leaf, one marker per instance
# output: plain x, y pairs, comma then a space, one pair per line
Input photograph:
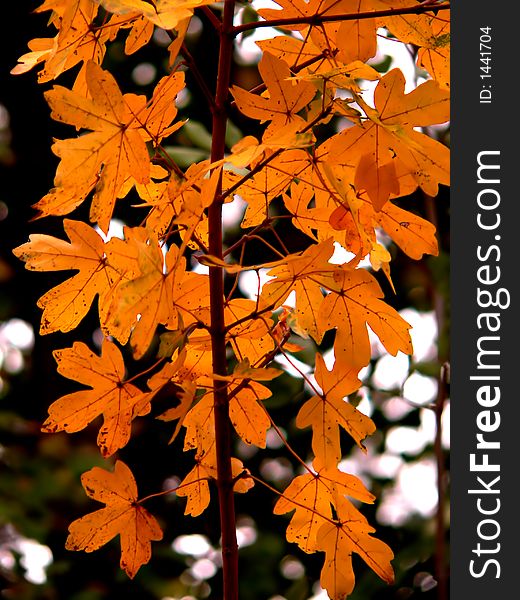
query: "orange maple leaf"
339, 539
298, 273
163, 13
110, 395
155, 294
388, 137
311, 496
285, 99
122, 515
431, 33
77, 41
354, 302
65, 305
328, 411
120, 126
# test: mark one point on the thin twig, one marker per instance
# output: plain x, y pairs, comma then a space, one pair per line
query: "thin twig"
318, 19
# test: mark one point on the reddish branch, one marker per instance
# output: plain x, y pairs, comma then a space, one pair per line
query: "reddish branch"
440, 529
317, 19
217, 329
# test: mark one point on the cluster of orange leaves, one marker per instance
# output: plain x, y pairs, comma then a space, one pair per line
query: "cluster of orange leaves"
337, 191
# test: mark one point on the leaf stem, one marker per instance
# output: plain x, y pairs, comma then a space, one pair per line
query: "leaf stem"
171, 490
318, 19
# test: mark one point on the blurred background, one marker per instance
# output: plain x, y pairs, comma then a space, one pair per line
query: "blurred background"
40, 490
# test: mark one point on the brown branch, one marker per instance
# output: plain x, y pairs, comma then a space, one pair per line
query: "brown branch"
223, 435
440, 529
318, 19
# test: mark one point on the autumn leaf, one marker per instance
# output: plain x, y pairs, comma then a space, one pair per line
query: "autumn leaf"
431, 33
355, 302
413, 234
195, 488
78, 40
261, 188
247, 413
311, 496
298, 274
328, 411
389, 136
114, 142
156, 293
285, 99
339, 540
110, 395
122, 516
65, 305
163, 13
120, 126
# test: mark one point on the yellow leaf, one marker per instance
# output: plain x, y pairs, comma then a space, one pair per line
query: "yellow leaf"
411, 233
328, 411
195, 488
298, 274
121, 516
65, 305
247, 415
353, 303
155, 294
118, 401
389, 136
285, 99
339, 540
163, 13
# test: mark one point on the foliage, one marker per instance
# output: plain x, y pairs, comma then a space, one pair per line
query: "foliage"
329, 165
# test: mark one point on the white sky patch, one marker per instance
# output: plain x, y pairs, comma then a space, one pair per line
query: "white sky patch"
384, 465
365, 406
192, 545
420, 389
246, 535
115, 229
292, 568
203, 569
276, 469
232, 212
291, 367
248, 282
144, 73
273, 440
415, 491
423, 332
35, 558
391, 371
411, 440
396, 408
18, 333
197, 267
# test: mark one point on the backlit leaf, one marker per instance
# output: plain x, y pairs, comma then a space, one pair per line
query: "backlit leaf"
122, 516
110, 395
